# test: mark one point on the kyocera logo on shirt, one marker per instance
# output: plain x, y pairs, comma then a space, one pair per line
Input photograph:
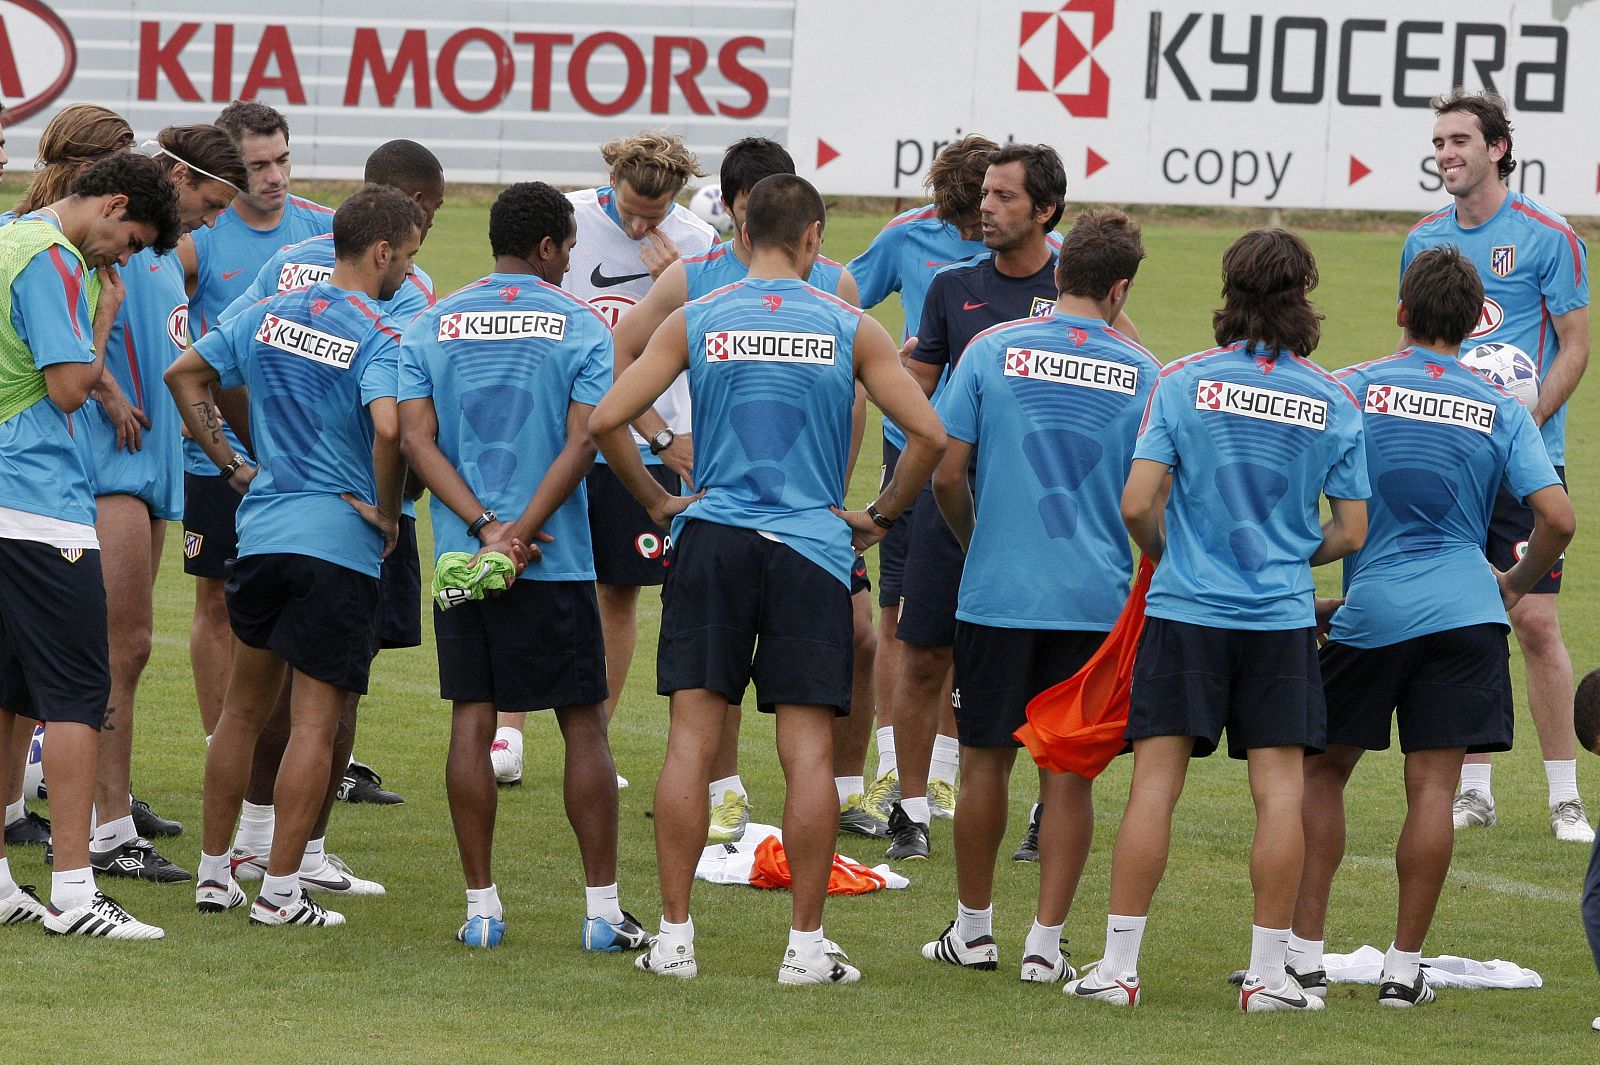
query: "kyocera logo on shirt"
502, 325
1103, 374
308, 343
1435, 407
299, 275
1261, 403
752, 345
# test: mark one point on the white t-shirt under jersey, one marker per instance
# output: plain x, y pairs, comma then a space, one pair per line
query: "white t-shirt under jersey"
608, 273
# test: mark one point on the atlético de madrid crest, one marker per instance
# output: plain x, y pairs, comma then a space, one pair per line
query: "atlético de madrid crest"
1502, 260
191, 543
71, 554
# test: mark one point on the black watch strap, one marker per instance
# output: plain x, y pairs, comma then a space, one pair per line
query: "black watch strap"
878, 518
483, 519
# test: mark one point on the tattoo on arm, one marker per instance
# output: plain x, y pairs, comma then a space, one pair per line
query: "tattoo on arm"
209, 422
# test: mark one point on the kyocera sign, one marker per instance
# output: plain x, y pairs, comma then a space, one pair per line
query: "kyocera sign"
37, 57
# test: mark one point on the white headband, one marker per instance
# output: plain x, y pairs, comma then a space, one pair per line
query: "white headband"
154, 148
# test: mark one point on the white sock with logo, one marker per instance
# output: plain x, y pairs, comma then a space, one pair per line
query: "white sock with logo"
806, 944
1475, 777
886, 759
973, 924
484, 902
71, 888
1401, 965
675, 934
848, 786
112, 834
945, 761
602, 902
1268, 949
1124, 936
315, 856
280, 891
1305, 955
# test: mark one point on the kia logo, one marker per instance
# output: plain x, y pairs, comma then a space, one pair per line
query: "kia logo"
1489, 319
32, 31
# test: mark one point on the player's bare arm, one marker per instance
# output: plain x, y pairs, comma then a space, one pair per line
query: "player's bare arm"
849, 291
389, 472
1144, 498
1553, 528
71, 383
190, 379
636, 388
1125, 326
877, 366
1572, 359
630, 335
953, 493
568, 470
130, 421
419, 447
1344, 532
925, 374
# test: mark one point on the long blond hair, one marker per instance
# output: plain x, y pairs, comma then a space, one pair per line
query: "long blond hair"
77, 136
653, 162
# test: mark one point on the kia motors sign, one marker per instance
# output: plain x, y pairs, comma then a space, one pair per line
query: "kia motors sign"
1284, 103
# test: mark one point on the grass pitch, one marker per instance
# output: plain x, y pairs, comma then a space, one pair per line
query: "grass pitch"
393, 986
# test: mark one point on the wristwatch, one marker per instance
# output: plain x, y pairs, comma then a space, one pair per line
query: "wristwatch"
882, 521
486, 518
662, 440
234, 465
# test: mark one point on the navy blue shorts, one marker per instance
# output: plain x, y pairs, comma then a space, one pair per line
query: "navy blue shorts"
401, 623
998, 671
630, 550
1448, 689
1510, 525
1265, 688
859, 581
54, 661
932, 581
210, 536
537, 647
896, 542
739, 607
318, 616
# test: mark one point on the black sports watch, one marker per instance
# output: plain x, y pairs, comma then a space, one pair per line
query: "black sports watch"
486, 518
879, 519
662, 440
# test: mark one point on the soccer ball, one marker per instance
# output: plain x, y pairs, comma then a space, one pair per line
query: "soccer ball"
1509, 367
706, 203
33, 774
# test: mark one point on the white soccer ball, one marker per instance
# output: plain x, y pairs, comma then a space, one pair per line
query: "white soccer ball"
1509, 367
707, 205
33, 775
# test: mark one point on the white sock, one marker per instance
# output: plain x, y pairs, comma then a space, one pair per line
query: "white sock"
214, 868
1268, 949
513, 738
602, 902
1562, 778
8, 886
74, 887
280, 891
113, 834
678, 933
1124, 935
315, 855
974, 924
719, 788
848, 786
1044, 941
916, 809
886, 762
1305, 955
484, 902
255, 828
806, 944
1401, 965
208, 741
16, 811
1475, 777
946, 759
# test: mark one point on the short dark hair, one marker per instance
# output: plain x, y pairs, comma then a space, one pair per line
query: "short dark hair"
1586, 711
373, 214
1443, 296
1489, 108
252, 118
1043, 176
206, 148
780, 210
955, 180
1102, 248
405, 165
1266, 275
152, 198
526, 213
749, 160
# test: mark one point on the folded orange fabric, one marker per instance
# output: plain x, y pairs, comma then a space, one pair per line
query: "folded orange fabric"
1078, 725
771, 870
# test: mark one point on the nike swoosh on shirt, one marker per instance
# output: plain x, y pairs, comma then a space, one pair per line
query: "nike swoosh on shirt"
599, 280
229, 277
155, 266
970, 306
